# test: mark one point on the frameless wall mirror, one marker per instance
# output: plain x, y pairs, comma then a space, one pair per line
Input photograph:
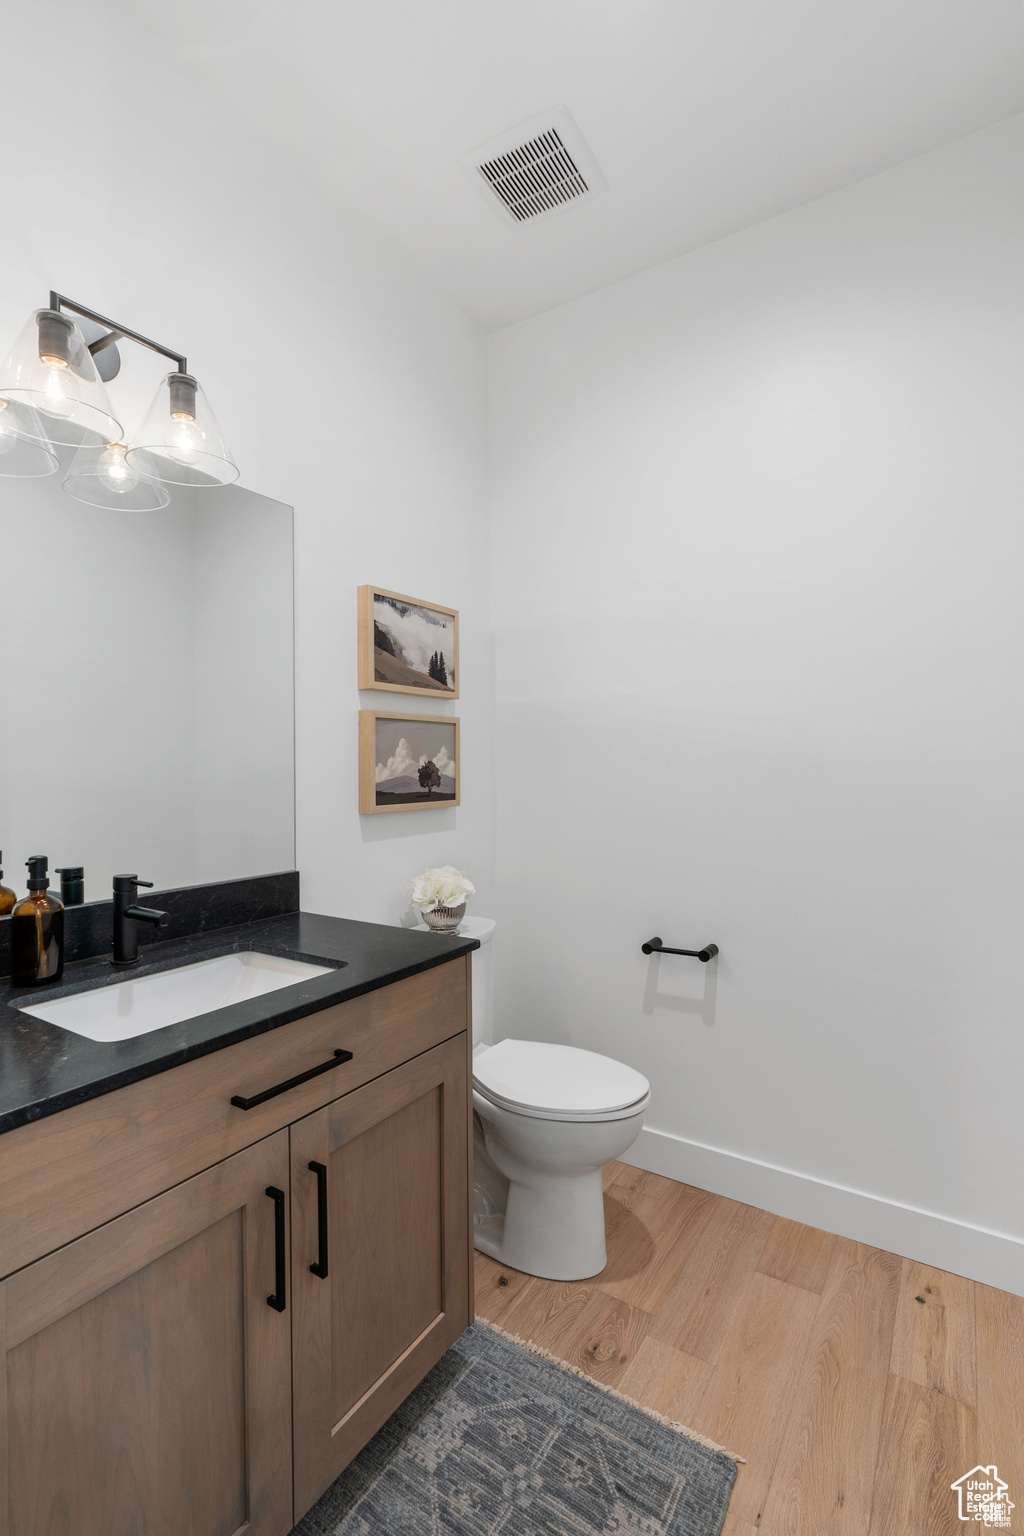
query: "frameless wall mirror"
146, 686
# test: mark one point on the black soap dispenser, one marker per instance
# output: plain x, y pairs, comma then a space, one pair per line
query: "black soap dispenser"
7, 896
72, 884
37, 930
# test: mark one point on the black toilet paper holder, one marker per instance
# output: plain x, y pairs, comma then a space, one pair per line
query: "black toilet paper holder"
656, 947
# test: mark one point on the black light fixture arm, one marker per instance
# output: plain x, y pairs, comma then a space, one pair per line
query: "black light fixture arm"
117, 331
656, 947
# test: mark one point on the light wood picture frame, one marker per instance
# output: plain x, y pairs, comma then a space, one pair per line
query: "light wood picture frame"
407, 645
408, 762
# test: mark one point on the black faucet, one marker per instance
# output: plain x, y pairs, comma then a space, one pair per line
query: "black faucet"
127, 916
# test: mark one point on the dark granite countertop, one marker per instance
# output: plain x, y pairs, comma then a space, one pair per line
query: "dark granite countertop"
44, 1069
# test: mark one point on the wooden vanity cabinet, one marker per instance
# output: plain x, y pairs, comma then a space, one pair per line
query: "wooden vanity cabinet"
147, 1380
380, 1253
181, 1370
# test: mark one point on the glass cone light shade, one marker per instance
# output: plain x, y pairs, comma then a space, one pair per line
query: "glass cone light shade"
51, 386
101, 477
23, 456
179, 441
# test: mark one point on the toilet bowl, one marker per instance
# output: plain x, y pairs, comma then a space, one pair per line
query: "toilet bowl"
546, 1120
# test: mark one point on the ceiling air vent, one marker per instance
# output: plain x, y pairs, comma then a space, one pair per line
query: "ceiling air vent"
536, 168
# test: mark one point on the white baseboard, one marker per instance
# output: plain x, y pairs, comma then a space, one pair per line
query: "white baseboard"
993, 1258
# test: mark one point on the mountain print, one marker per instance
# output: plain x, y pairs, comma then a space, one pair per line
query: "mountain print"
413, 646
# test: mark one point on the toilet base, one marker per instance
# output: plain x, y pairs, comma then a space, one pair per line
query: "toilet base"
558, 1238
536, 1208
488, 1232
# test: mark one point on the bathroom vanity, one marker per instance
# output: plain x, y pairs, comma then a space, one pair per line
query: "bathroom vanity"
234, 1239
230, 1248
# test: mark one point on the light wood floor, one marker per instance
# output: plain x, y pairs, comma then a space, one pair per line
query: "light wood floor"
858, 1385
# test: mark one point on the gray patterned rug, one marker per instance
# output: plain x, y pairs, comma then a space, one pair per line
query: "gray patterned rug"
497, 1441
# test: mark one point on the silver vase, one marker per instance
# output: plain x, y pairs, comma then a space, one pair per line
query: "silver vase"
445, 919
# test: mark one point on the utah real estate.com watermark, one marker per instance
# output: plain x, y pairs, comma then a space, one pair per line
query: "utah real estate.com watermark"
984, 1497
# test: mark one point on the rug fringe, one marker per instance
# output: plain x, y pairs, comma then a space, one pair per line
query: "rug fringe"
631, 1402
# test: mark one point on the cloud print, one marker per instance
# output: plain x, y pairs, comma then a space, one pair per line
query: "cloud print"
402, 764
399, 765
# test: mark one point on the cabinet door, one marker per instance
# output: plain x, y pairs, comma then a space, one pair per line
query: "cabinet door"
145, 1388
396, 1289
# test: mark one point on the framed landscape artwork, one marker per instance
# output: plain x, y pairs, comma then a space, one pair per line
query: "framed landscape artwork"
407, 762
407, 645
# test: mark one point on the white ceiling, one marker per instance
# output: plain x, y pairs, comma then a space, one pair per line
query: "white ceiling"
705, 115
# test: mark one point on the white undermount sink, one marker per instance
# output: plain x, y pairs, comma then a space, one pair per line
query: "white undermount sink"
130, 1008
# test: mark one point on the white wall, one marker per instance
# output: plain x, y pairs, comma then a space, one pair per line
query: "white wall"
346, 386
756, 560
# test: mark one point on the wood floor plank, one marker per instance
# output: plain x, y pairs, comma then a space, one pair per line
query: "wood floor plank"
604, 1338
613, 1172
651, 1237
546, 1311
735, 1527
1000, 1346
696, 1313
824, 1476
761, 1359
927, 1441
666, 1380
496, 1286
626, 1175
797, 1254
934, 1337
628, 1239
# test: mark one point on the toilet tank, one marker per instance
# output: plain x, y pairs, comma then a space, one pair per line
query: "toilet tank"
481, 928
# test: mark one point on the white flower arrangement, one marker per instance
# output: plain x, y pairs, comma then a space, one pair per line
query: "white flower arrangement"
446, 887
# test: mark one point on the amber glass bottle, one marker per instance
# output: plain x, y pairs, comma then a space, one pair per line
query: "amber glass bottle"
37, 930
7, 896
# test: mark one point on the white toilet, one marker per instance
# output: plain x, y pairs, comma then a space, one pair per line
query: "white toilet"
547, 1118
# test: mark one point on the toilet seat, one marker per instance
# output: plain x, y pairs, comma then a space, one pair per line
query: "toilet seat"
558, 1082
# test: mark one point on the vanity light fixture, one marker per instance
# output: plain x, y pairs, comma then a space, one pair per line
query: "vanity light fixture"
101, 477
51, 392
179, 440
23, 455
50, 385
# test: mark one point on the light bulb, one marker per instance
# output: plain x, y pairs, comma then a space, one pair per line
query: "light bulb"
184, 440
8, 437
112, 469
60, 396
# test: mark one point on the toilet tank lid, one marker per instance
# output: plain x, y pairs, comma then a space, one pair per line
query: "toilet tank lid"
481, 928
562, 1078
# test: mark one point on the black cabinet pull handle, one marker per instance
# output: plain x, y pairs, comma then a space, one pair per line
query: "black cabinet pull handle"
277, 1297
293, 1082
320, 1267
